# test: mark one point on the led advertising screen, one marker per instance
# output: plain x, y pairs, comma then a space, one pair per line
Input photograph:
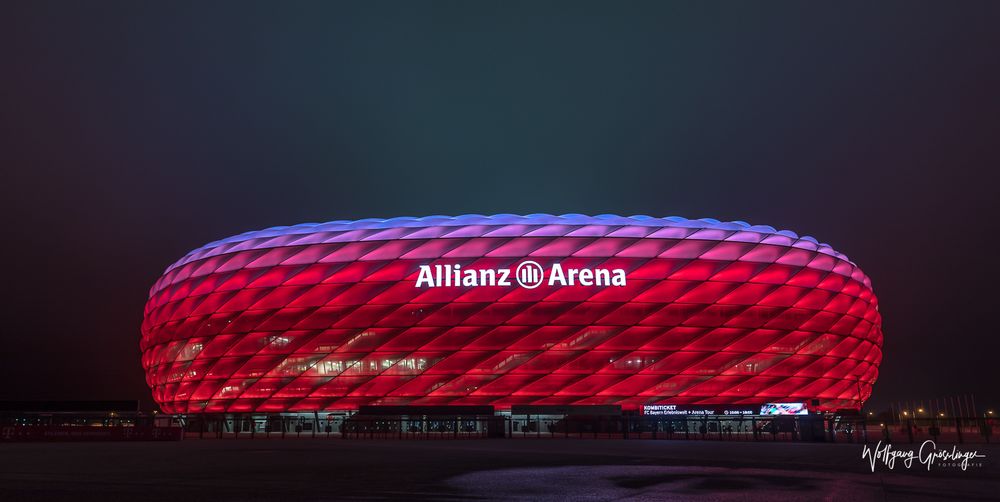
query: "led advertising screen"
784, 409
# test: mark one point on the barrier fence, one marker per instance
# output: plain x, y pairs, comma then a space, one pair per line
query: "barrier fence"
828, 428
706, 428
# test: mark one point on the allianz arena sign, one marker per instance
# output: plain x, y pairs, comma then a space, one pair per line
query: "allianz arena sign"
528, 274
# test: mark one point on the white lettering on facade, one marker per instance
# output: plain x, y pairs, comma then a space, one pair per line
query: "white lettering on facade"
439, 275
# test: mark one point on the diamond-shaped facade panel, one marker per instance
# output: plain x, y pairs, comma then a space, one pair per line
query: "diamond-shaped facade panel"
506, 310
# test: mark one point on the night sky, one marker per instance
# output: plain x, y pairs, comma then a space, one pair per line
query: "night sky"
133, 132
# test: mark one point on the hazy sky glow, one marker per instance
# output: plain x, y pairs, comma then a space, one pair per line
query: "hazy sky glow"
133, 132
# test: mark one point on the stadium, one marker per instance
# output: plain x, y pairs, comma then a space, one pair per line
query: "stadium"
330, 317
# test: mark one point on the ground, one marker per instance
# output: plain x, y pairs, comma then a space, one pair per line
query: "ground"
497, 469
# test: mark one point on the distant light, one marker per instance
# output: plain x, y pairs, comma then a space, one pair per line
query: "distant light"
920, 410
906, 413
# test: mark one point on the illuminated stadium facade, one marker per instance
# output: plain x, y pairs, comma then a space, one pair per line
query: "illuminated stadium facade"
602, 310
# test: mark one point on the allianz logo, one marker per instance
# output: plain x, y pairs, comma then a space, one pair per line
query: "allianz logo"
528, 274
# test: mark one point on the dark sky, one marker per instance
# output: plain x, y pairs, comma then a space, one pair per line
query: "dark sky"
133, 132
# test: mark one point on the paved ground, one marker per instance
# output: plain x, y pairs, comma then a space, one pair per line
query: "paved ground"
552, 469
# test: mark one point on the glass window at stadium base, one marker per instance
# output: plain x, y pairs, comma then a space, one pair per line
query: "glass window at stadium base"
510, 310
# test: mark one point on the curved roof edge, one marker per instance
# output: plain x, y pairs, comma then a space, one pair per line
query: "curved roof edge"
507, 219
